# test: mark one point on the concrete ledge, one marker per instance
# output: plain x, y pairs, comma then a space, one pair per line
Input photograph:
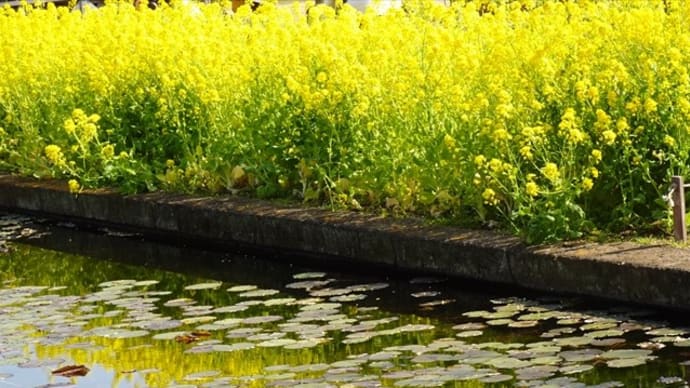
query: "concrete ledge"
655, 275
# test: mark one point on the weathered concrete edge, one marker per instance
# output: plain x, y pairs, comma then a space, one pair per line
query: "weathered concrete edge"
622, 272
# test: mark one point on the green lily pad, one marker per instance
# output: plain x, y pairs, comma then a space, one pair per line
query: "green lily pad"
169, 335
242, 288
666, 332
573, 341
580, 355
469, 333
233, 347
507, 363
258, 293
575, 369
499, 322
276, 343
626, 353
604, 333
309, 275
204, 286
498, 378
626, 362
470, 326
523, 324
600, 325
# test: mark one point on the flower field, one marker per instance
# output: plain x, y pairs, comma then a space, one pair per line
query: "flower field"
551, 119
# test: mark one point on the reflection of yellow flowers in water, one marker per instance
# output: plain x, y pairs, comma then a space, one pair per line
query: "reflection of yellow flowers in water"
551, 172
489, 196
73, 186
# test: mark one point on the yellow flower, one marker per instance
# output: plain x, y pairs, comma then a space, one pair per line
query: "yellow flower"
69, 126
551, 172
489, 196
622, 125
495, 165
594, 172
596, 154
669, 141
526, 152
479, 160
650, 105
609, 137
73, 186
587, 184
449, 141
54, 154
532, 189
501, 134
108, 151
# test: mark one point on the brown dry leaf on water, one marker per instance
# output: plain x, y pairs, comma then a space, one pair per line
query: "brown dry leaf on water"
191, 337
71, 371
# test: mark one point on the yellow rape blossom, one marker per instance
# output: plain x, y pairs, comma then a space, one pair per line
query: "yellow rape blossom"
609, 137
532, 189
489, 196
587, 184
73, 186
54, 154
551, 172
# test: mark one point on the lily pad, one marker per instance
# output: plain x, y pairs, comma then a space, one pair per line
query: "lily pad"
626, 362
309, 275
233, 347
258, 293
242, 288
204, 286
626, 353
575, 369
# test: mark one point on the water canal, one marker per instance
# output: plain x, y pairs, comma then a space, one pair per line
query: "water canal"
100, 308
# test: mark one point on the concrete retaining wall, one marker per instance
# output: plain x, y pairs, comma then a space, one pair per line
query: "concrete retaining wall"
656, 275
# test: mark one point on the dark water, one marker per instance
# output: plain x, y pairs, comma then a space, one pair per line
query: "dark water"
137, 314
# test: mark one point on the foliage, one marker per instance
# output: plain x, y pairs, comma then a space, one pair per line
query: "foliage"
550, 118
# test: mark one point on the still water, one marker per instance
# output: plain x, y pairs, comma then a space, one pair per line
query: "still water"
101, 308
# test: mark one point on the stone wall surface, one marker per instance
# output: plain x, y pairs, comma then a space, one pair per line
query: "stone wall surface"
649, 274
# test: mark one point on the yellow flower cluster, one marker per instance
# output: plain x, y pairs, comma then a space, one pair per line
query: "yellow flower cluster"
406, 104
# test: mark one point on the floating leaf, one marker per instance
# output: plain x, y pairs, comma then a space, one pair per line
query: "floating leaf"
580, 355
258, 293
666, 332
626, 353
469, 333
233, 347
573, 369
523, 324
626, 362
470, 326
309, 275
276, 343
497, 378
204, 286
71, 371
242, 288
425, 294
507, 363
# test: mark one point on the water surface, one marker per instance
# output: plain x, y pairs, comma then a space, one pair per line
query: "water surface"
134, 313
